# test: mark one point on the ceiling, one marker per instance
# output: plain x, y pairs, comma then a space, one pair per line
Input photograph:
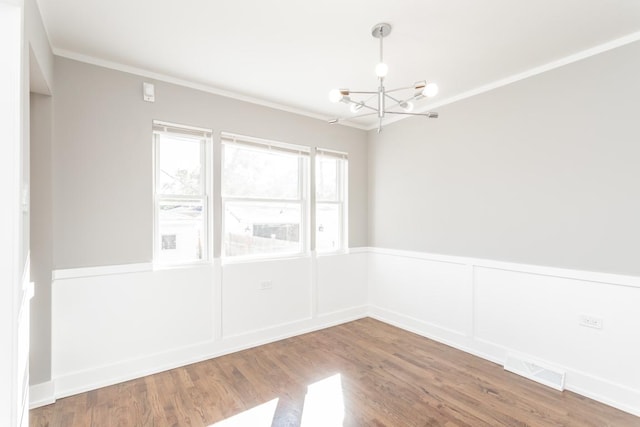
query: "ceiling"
291, 53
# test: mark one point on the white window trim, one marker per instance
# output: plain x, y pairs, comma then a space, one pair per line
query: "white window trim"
303, 155
206, 156
343, 202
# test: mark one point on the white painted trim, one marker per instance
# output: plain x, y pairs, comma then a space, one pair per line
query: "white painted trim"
359, 250
314, 285
587, 276
82, 381
578, 56
601, 389
106, 270
192, 85
12, 121
217, 300
610, 45
41, 394
626, 398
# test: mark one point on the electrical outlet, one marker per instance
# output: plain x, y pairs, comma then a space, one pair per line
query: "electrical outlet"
591, 321
267, 284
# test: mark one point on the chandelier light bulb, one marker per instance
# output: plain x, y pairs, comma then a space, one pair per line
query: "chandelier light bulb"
381, 102
430, 90
407, 106
335, 95
382, 69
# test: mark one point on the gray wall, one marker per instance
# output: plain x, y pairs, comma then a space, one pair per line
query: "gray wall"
543, 171
41, 236
102, 158
36, 156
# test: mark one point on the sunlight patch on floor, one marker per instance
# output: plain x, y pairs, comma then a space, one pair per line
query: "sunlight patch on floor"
258, 416
323, 407
324, 403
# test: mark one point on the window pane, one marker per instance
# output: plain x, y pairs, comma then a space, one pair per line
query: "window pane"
253, 228
260, 174
328, 227
181, 230
179, 166
327, 178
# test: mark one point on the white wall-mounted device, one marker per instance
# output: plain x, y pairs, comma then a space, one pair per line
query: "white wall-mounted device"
148, 92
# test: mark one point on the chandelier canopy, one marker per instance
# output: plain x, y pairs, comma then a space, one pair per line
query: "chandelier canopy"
381, 102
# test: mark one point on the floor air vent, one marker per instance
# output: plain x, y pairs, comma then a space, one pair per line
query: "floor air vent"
535, 370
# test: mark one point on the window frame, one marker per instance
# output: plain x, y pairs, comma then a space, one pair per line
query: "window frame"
303, 154
342, 202
205, 138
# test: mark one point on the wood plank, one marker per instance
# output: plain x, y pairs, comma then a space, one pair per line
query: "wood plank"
389, 377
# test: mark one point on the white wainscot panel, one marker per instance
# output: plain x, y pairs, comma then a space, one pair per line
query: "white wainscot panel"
263, 294
107, 320
539, 316
342, 282
437, 294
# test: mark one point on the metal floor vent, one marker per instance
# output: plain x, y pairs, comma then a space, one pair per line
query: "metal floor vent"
535, 370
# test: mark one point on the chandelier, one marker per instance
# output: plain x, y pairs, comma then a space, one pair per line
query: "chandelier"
381, 102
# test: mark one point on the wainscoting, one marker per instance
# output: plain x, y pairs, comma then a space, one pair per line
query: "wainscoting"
491, 308
111, 324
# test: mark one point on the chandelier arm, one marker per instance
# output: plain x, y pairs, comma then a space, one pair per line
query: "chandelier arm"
429, 114
360, 115
365, 92
398, 101
346, 119
379, 98
368, 107
362, 104
401, 88
373, 98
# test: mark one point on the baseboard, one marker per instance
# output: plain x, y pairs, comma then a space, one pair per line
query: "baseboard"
41, 394
87, 380
612, 394
599, 389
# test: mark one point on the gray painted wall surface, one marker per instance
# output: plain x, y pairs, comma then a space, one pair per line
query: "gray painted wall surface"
36, 224
41, 237
102, 158
543, 171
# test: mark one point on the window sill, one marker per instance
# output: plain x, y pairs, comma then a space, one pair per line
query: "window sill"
263, 258
181, 265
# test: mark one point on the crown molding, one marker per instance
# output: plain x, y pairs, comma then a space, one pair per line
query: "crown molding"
613, 44
601, 48
192, 85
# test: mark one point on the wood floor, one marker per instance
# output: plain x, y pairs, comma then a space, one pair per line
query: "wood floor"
381, 375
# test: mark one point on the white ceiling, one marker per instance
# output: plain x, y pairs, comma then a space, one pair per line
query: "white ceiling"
292, 52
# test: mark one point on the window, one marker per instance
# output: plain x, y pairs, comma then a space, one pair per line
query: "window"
331, 196
182, 183
264, 197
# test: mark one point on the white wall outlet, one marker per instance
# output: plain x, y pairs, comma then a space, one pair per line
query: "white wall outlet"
591, 321
267, 284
